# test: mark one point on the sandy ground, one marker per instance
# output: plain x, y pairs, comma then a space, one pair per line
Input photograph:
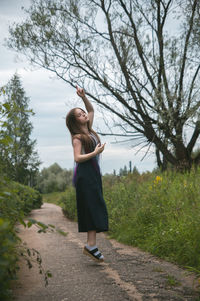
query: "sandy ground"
126, 274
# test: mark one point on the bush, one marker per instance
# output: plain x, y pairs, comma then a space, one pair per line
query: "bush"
29, 198
16, 201
68, 203
8, 257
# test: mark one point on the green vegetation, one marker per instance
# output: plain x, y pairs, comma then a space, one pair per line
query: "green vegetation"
18, 158
66, 200
53, 179
53, 197
18, 162
16, 201
159, 213
172, 281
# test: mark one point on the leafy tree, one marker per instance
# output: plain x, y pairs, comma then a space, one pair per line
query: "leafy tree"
19, 159
131, 62
4, 113
123, 171
55, 168
135, 171
5, 139
53, 179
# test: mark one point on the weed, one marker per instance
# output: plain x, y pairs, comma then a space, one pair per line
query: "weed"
157, 269
172, 281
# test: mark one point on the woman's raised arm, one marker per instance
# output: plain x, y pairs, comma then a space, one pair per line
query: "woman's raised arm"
88, 105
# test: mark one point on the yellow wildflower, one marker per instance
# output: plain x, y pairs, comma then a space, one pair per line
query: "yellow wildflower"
158, 179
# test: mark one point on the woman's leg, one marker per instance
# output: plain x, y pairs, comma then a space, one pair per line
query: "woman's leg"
91, 238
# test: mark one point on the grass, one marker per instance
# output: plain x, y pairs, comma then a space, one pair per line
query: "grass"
159, 214
52, 197
172, 281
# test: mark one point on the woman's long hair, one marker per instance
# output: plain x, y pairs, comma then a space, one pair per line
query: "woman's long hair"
76, 132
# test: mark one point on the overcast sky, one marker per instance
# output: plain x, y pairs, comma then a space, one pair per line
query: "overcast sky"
51, 99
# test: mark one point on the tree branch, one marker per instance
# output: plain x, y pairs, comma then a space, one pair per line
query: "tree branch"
191, 22
194, 137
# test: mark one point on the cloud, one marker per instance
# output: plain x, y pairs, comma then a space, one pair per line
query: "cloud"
12, 9
62, 154
117, 156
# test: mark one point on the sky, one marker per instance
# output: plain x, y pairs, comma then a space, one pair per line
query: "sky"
51, 99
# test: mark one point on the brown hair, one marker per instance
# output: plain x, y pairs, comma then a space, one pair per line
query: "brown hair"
76, 132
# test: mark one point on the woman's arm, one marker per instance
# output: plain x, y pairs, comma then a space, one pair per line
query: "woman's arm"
78, 157
87, 103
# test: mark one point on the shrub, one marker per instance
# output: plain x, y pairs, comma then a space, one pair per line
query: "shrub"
16, 201
8, 257
68, 203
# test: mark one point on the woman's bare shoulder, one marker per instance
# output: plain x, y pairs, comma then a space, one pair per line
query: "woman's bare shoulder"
76, 139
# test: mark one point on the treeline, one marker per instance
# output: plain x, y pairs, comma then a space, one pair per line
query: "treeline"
53, 179
19, 165
57, 179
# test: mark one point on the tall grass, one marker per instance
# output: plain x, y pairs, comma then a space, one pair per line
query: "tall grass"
159, 213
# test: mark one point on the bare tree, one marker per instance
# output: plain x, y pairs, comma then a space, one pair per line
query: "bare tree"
140, 60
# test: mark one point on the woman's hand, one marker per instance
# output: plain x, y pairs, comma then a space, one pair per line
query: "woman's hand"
99, 148
80, 92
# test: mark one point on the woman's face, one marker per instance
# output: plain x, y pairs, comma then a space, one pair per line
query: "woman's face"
81, 116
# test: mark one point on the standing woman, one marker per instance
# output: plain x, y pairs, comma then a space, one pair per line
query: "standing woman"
91, 207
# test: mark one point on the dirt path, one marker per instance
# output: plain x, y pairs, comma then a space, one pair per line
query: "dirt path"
126, 274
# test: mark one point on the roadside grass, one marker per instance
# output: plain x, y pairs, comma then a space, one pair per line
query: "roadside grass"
52, 197
159, 213
66, 200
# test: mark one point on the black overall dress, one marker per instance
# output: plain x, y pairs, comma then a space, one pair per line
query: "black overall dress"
91, 208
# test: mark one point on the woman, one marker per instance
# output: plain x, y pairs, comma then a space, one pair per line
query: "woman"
91, 207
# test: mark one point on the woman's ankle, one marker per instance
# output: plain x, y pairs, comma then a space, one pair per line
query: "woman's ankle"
91, 243
91, 238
